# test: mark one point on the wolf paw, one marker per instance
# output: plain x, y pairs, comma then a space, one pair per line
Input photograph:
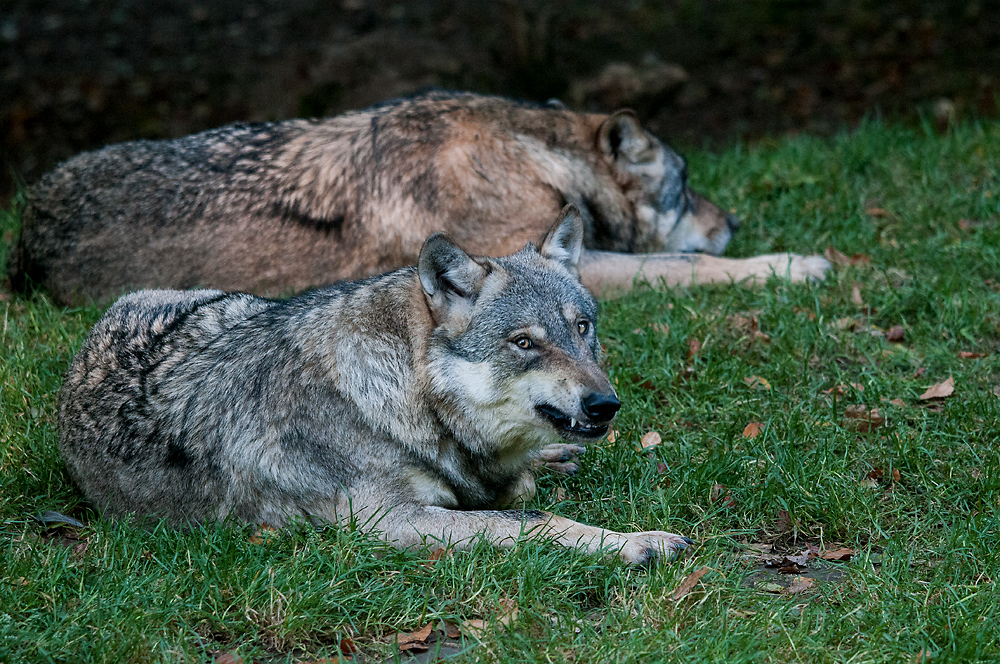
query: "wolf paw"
807, 268
559, 457
644, 548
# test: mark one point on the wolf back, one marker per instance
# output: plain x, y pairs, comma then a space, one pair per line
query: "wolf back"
273, 208
415, 399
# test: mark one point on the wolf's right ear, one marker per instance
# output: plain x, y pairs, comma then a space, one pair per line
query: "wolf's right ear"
623, 141
451, 279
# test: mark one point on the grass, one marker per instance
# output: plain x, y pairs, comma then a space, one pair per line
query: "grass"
923, 576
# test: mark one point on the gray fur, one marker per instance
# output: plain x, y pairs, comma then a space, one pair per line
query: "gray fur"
403, 400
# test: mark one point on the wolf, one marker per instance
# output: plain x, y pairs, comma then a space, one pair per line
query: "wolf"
412, 402
279, 207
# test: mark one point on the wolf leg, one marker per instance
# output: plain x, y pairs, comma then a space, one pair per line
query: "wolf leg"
609, 272
411, 526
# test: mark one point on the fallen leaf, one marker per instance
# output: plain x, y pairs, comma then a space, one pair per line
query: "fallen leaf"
856, 295
438, 554
228, 658
861, 418
650, 440
451, 630
784, 522
752, 429
613, 435
966, 355
644, 383
876, 474
508, 612
558, 494
898, 402
661, 468
748, 326
895, 333
757, 383
877, 212
261, 534
838, 555
688, 584
474, 627
721, 493
694, 347
415, 640
800, 584
842, 389
895, 476
939, 390
347, 646
839, 258
662, 328
920, 372
919, 657
849, 324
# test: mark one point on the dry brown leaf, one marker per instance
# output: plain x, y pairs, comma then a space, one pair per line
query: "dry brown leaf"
966, 355
895, 476
661, 468
721, 493
650, 440
558, 494
261, 534
895, 333
898, 402
784, 522
800, 584
415, 640
644, 383
839, 258
876, 474
856, 295
347, 646
920, 372
842, 389
757, 383
694, 347
939, 390
752, 429
842, 554
662, 328
474, 627
920, 656
613, 435
451, 630
877, 212
438, 554
860, 418
748, 326
688, 584
228, 658
508, 613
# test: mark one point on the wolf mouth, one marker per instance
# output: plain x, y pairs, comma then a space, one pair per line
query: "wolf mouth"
570, 426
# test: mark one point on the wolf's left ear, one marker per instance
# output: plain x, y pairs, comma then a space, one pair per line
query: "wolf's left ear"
564, 242
451, 279
623, 141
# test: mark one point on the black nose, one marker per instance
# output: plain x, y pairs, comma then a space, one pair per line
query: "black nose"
601, 407
733, 222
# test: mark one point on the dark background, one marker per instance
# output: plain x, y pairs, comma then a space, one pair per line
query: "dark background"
78, 74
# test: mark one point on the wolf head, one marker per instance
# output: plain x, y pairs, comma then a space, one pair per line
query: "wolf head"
514, 353
654, 178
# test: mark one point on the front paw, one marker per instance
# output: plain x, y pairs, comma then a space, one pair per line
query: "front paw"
808, 268
643, 548
559, 457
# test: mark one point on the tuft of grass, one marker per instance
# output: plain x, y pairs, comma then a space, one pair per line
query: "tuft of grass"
923, 576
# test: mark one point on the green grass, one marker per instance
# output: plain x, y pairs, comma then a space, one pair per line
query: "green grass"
924, 578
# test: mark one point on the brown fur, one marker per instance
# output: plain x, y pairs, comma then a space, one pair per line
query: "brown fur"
277, 207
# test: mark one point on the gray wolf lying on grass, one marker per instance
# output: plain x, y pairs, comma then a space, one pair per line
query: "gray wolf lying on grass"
413, 401
277, 207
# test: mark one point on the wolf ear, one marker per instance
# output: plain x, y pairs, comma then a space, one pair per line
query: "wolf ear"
622, 140
564, 241
451, 279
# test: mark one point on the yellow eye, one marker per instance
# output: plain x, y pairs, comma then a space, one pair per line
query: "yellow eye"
583, 326
524, 343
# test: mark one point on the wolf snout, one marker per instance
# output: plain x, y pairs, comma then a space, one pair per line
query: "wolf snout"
601, 407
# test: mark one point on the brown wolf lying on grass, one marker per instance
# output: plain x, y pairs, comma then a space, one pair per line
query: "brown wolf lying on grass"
277, 207
413, 402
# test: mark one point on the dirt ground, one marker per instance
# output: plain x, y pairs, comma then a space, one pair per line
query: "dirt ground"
78, 74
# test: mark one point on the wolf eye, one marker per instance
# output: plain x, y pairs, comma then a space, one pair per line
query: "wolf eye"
583, 326
524, 343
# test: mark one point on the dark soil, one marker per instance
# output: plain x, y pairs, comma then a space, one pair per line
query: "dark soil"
77, 74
